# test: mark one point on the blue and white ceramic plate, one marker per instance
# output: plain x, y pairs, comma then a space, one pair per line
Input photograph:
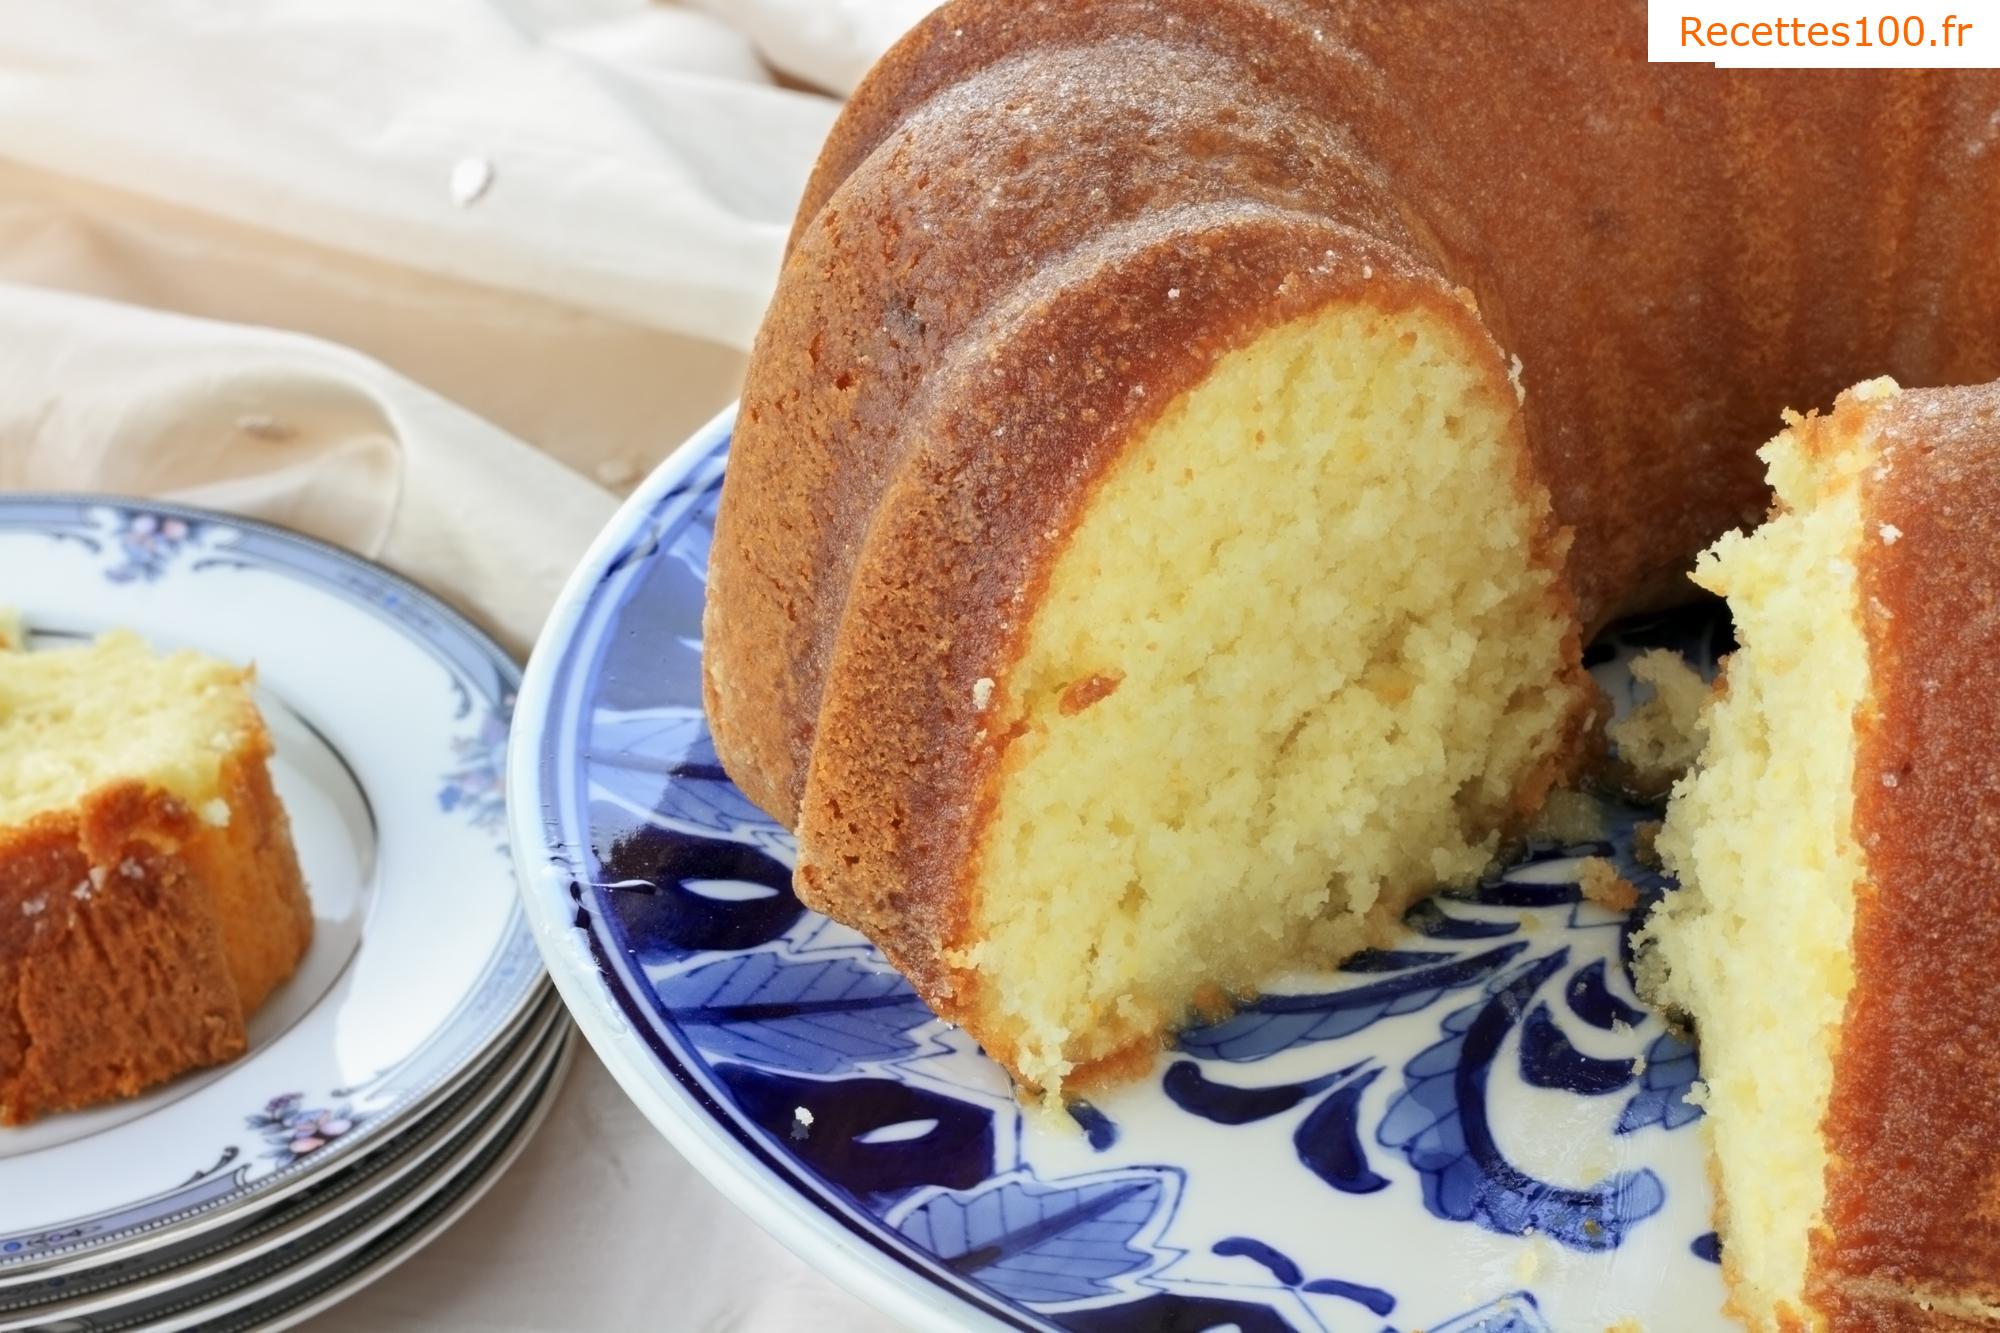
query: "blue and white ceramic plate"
1478, 1129
390, 714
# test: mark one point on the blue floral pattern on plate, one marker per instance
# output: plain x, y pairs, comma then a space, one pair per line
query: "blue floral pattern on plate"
1460, 1132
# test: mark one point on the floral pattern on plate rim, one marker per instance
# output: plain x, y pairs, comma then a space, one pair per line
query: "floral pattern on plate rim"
138, 543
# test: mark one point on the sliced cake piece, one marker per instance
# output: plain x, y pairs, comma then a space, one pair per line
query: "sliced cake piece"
1836, 940
150, 896
1208, 680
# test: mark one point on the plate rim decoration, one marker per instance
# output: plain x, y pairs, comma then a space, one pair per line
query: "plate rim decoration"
725, 1159
139, 543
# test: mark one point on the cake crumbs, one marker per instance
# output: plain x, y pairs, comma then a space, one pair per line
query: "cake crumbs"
1081, 694
1602, 884
1663, 736
802, 1120
1646, 843
1568, 817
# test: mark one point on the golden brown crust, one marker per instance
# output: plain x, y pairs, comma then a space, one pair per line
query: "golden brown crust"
1000, 137
900, 719
1038, 221
136, 938
1913, 1185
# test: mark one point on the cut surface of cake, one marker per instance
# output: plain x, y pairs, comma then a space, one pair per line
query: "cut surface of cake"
150, 895
1836, 939
1356, 678
1191, 438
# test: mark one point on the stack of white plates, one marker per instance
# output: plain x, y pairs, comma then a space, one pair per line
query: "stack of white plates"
398, 1073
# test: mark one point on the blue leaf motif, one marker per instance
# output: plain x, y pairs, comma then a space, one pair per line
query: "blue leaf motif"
1226, 1104
1172, 1312
1273, 1023
1432, 921
1590, 999
1098, 1128
1282, 1267
1393, 960
1328, 1141
870, 1136
1516, 1312
1280, 1264
1439, 1123
648, 871
663, 758
1518, 893
1044, 1244
1663, 1088
1550, 1060
807, 1017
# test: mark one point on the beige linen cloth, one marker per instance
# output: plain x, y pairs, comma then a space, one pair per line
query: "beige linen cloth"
435, 281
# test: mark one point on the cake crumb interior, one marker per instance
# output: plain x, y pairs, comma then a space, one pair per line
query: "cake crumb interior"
74, 719
1754, 947
1341, 667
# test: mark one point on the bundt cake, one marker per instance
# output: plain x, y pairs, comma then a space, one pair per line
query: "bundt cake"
1191, 439
1836, 939
150, 897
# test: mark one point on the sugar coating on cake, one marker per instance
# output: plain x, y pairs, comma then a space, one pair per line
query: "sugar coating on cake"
150, 895
1294, 669
1755, 947
1037, 227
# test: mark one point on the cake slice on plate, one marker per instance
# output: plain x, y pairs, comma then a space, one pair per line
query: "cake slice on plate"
150, 896
1836, 940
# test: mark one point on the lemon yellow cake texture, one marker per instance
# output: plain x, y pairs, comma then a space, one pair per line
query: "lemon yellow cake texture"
150, 896
1656, 742
1191, 439
1836, 939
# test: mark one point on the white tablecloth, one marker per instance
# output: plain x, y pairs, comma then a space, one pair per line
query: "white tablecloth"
435, 281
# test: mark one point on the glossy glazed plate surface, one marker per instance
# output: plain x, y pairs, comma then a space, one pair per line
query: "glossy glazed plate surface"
1479, 1128
420, 1150
390, 715
345, 1255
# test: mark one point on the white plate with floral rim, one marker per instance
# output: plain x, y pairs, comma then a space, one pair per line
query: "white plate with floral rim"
415, 1152
390, 713
375, 1236
1478, 1128
283, 1305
